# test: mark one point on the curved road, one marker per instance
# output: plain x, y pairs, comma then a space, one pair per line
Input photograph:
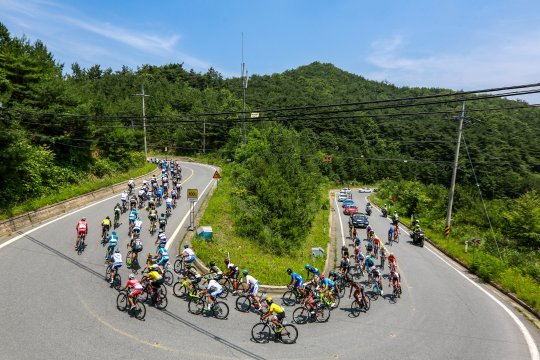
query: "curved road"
56, 305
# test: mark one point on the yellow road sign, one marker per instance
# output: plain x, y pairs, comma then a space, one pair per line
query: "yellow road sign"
193, 195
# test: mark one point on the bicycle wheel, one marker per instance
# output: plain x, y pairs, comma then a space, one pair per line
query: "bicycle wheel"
260, 333
196, 306
108, 274
243, 303
288, 298
178, 266
373, 295
322, 314
221, 310
168, 277
117, 283
128, 258
179, 290
366, 304
140, 310
289, 334
122, 301
355, 308
162, 302
224, 293
341, 292
301, 315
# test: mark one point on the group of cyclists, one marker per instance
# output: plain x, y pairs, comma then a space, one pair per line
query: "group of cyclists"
314, 290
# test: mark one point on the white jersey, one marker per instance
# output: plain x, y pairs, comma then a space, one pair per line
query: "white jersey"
168, 201
213, 284
131, 182
117, 258
123, 197
188, 252
251, 280
141, 192
138, 223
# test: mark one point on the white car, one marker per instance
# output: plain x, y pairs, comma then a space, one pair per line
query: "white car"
364, 190
345, 191
342, 197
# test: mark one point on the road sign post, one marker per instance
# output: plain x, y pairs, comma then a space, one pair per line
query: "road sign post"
217, 176
192, 197
324, 208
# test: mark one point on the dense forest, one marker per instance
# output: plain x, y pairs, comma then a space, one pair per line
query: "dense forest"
60, 125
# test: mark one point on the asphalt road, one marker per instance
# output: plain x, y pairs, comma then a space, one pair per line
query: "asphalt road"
56, 305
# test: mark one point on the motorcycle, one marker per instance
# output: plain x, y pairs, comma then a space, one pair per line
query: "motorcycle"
384, 212
368, 211
418, 238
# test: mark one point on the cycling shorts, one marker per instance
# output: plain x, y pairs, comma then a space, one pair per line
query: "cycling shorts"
298, 283
280, 316
82, 231
137, 230
112, 245
189, 259
134, 293
116, 266
168, 205
135, 250
163, 261
254, 289
235, 274
216, 293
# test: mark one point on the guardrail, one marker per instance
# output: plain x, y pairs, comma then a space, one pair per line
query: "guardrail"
19, 222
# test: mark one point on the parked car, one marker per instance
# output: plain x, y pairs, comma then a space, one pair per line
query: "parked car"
346, 191
351, 209
359, 220
347, 202
342, 197
364, 190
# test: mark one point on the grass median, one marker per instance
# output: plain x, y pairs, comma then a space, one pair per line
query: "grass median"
83, 187
268, 268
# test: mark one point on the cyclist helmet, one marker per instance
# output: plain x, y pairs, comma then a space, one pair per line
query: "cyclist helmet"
108, 218
307, 266
114, 233
155, 266
391, 254
161, 231
149, 256
289, 271
162, 214
416, 221
331, 273
217, 277
83, 219
131, 276
186, 246
268, 300
212, 263
245, 272
227, 261
208, 277
161, 245
117, 250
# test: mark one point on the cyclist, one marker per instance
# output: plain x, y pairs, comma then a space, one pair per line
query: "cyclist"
232, 273
296, 281
113, 241
368, 208
131, 184
132, 217
359, 256
137, 224
213, 290
327, 286
160, 194
152, 204
253, 288
136, 248
344, 265
369, 263
152, 215
312, 270
188, 255
376, 245
133, 202
391, 234
277, 319
357, 241
174, 195
149, 262
154, 278
162, 221
376, 276
115, 262
136, 289
385, 210
383, 257
124, 199
162, 255
358, 290
344, 250
369, 247
117, 212
82, 230
105, 227
161, 238
395, 280
392, 261
168, 204
214, 269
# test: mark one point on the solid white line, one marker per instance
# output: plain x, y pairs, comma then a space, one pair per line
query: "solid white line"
340, 222
533, 350
177, 230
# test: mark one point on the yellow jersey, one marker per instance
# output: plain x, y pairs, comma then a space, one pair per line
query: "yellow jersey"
153, 276
106, 222
275, 308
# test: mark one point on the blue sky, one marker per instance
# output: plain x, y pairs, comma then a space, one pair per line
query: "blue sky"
452, 44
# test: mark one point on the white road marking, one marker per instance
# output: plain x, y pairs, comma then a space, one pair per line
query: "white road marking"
340, 222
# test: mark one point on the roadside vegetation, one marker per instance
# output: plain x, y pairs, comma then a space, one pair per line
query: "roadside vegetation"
508, 256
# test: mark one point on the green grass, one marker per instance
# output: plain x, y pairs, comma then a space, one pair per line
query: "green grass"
486, 266
268, 268
68, 192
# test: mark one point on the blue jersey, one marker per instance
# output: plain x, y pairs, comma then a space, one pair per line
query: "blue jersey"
313, 270
391, 231
297, 278
328, 282
113, 240
369, 262
163, 252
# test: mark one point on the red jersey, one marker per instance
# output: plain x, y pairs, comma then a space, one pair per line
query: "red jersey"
134, 284
82, 226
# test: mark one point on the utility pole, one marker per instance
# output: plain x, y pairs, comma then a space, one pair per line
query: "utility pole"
204, 137
245, 80
143, 95
454, 172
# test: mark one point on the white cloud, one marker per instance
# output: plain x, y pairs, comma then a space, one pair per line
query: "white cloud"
504, 61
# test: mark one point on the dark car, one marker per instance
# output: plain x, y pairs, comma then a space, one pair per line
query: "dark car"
359, 220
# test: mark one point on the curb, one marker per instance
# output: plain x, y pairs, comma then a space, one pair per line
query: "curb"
32, 218
466, 266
